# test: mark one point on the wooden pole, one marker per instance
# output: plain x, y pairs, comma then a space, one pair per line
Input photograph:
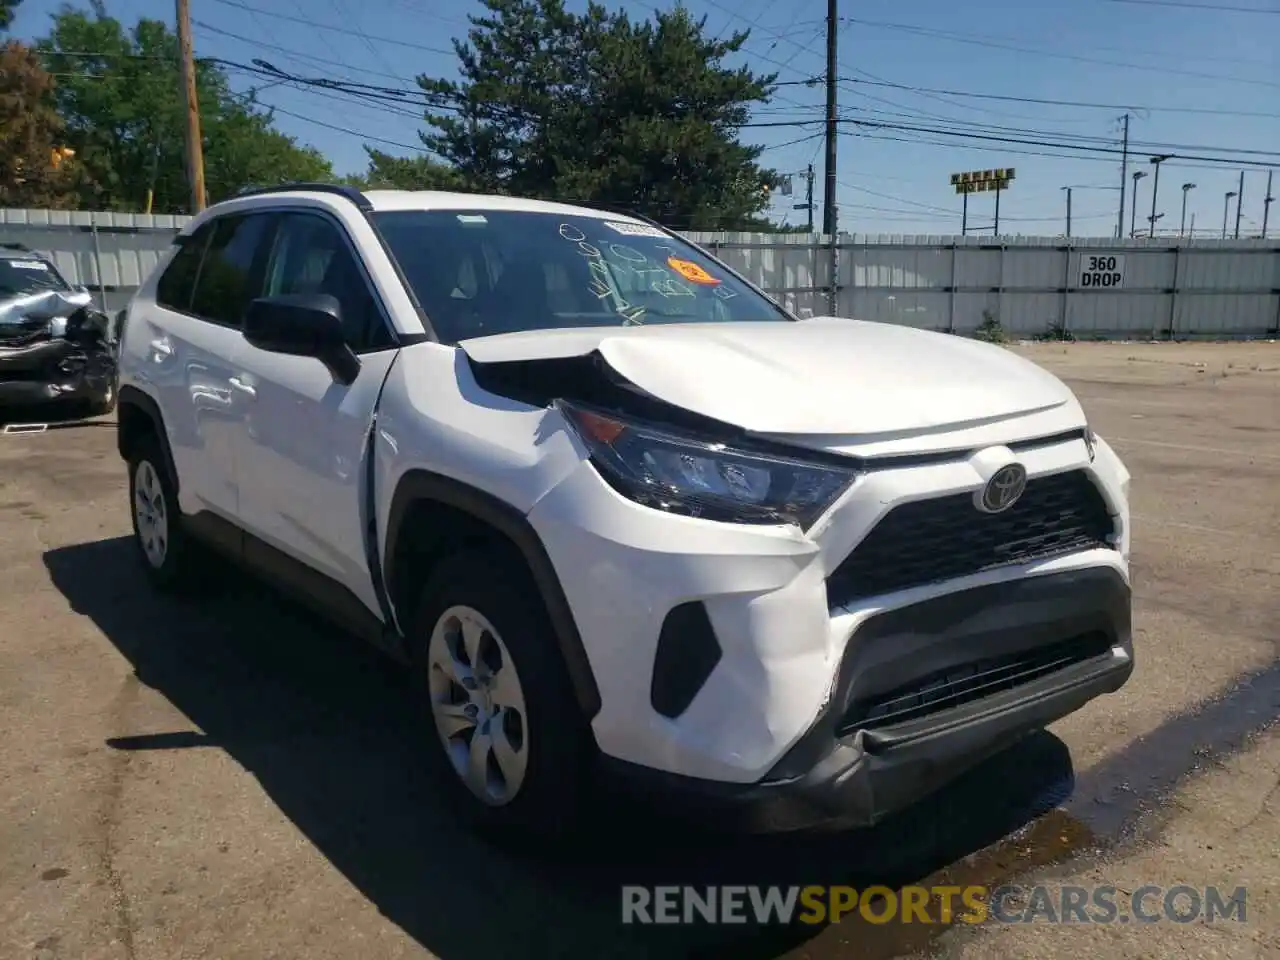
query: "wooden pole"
195, 147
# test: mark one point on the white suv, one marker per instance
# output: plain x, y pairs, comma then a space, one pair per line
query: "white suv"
623, 515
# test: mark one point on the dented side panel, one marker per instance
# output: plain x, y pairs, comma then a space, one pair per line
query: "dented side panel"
435, 416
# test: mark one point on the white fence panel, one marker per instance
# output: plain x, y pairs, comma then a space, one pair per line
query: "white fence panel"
1031, 285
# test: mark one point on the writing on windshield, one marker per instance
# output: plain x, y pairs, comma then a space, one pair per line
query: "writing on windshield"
619, 271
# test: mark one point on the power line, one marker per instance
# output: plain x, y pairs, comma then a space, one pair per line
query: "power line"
347, 130
287, 52
1139, 146
435, 101
1014, 136
792, 143
1114, 151
1013, 151
324, 26
978, 40
1043, 101
1184, 4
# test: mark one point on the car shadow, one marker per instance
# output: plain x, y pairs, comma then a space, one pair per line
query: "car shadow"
326, 726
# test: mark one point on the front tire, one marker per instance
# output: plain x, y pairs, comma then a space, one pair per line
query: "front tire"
506, 741
157, 522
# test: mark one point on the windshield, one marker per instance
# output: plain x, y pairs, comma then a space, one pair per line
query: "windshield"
19, 277
478, 273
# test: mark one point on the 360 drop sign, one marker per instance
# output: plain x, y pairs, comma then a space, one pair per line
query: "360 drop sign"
1105, 272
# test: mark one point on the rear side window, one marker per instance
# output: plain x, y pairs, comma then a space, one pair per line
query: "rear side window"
174, 288
225, 283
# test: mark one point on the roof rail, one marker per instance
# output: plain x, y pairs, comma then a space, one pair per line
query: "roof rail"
340, 189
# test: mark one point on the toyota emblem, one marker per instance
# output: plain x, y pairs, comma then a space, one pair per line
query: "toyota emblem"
1003, 489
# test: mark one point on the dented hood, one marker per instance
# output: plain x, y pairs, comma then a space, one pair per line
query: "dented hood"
821, 376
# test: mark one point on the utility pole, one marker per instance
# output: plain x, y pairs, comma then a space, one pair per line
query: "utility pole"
195, 148
829, 197
1124, 176
808, 195
1239, 203
1068, 189
1266, 205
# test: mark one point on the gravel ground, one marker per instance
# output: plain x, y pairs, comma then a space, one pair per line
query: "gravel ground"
229, 778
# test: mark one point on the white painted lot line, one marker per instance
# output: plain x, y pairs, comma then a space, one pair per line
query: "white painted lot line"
1196, 449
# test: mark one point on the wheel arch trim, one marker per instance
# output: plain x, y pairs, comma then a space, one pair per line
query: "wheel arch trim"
419, 485
130, 396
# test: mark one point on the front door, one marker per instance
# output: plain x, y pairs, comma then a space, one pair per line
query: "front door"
302, 457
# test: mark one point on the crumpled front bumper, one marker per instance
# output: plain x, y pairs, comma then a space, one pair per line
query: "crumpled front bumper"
839, 774
55, 370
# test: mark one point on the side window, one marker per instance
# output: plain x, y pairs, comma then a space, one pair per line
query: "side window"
224, 288
309, 255
176, 284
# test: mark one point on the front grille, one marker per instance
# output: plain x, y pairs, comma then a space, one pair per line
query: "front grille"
952, 688
928, 541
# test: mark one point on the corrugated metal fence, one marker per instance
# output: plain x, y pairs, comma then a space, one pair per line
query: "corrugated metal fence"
1103, 288
1091, 288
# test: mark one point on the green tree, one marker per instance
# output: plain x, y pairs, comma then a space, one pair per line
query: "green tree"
8, 8
405, 173
597, 107
34, 169
124, 118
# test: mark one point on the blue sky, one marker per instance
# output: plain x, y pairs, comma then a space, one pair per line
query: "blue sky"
1180, 69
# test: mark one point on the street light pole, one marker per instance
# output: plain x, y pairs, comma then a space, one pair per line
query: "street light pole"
1226, 205
1186, 188
1155, 190
1133, 210
1068, 189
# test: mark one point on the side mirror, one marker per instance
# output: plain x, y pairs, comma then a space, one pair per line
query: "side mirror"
303, 325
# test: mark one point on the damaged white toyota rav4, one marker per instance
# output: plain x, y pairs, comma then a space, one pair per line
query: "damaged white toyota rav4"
625, 518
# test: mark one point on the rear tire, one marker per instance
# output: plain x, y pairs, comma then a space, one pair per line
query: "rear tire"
158, 534
505, 739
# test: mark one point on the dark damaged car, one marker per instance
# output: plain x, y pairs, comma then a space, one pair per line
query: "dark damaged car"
57, 356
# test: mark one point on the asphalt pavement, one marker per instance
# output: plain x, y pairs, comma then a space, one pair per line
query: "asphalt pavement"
228, 777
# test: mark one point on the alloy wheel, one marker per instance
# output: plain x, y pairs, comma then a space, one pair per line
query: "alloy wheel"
478, 705
150, 514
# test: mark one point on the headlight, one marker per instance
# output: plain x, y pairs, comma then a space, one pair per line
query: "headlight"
701, 478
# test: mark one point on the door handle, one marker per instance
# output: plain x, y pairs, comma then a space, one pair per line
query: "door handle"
162, 347
242, 386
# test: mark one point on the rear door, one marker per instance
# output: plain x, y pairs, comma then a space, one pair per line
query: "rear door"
192, 338
302, 456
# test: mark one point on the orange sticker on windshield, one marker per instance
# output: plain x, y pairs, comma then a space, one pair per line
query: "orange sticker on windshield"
691, 271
